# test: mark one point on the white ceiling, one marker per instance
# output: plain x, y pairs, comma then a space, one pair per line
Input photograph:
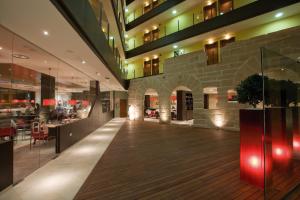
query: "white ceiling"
31, 17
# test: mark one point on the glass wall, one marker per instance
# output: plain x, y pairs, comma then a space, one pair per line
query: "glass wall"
281, 123
38, 93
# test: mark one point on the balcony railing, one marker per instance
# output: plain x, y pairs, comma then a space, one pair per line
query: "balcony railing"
180, 31
89, 20
177, 24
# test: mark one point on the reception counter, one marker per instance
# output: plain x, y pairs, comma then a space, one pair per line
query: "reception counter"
68, 134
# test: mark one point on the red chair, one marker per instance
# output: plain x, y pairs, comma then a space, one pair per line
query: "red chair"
38, 132
7, 132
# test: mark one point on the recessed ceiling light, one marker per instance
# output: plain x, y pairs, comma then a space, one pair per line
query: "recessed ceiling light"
210, 41
126, 10
20, 56
227, 37
280, 14
175, 46
46, 33
83, 62
174, 12
1, 48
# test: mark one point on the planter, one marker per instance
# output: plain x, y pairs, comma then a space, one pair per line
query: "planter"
252, 138
255, 163
296, 132
6, 164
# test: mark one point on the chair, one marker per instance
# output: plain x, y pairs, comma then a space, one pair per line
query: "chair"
7, 132
38, 132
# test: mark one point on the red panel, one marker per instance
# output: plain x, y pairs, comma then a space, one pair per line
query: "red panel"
72, 102
252, 148
279, 124
85, 102
49, 102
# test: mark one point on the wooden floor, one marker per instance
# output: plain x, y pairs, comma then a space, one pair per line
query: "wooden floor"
153, 161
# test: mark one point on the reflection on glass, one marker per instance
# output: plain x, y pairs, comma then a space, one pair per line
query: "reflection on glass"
38, 93
281, 108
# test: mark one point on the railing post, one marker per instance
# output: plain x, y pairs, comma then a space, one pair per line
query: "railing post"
100, 14
193, 19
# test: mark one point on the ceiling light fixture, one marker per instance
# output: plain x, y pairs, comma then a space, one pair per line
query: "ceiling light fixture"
280, 14
1, 48
126, 36
174, 12
83, 62
227, 37
175, 46
46, 33
98, 73
126, 10
210, 41
20, 56
111, 37
209, 3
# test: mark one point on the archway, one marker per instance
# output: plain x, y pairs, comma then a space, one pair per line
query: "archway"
151, 105
182, 106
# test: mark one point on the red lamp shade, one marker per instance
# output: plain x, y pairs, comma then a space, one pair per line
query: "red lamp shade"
173, 98
85, 102
49, 102
72, 102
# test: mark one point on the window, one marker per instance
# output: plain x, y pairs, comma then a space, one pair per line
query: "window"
210, 97
155, 66
147, 37
212, 53
225, 6
147, 68
210, 11
155, 34
232, 96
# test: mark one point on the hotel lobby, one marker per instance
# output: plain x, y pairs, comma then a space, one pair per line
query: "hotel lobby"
149, 99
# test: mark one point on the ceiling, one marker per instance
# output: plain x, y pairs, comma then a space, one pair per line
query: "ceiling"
64, 52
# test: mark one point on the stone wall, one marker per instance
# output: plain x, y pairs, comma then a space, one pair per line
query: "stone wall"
238, 60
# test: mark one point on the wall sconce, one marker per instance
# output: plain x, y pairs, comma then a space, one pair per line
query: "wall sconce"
132, 112
219, 120
227, 37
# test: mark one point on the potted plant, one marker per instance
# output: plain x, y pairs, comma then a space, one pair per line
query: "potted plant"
252, 159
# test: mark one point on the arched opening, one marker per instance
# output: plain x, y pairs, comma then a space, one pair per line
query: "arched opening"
151, 105
182, 106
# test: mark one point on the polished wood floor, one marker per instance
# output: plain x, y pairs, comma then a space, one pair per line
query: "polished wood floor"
152, 161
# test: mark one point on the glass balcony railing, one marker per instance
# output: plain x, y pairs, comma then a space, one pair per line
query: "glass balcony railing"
143, 9
177, 24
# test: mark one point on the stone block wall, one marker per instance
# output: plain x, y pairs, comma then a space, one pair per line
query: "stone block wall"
238, 61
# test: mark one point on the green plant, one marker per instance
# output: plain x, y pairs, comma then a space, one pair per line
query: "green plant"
276, 92
250, 90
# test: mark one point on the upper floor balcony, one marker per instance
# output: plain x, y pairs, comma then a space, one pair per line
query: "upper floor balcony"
202, 19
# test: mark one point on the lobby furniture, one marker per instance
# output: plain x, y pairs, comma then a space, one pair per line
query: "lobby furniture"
6, 164
38, 132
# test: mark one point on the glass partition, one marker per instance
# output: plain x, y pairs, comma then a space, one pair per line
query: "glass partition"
38, 94
281, 123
